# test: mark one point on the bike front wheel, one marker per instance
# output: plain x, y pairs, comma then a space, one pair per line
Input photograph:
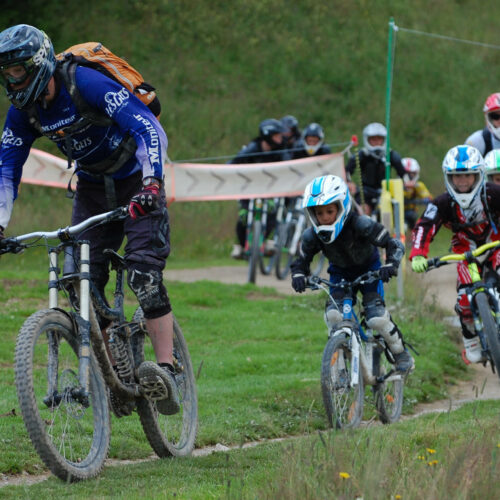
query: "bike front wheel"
343, 401
389, 393
69, 431
490, 328
169, 435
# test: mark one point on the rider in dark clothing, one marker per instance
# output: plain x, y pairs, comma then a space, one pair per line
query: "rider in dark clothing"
35, 86
372, 162
267, 147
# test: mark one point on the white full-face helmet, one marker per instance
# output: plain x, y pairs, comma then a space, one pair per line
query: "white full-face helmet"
492, 163
324, 191
412, 170
375, 130
463, 159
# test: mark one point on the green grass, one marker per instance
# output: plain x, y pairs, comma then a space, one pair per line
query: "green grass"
448, 455
259, 353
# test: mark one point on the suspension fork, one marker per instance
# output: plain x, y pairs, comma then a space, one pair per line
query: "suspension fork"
83, 321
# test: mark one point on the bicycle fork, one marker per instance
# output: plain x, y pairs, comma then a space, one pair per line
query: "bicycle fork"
81, 393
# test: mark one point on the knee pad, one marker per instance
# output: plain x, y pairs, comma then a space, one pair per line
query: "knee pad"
147, 284
462, 307
382, 324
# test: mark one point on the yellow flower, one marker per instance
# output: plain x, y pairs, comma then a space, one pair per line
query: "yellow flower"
398, 497
498, 445
430, 450
344, 475
421, 457
432, 462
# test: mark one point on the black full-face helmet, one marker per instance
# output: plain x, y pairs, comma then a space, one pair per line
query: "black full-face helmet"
268, 128
26, 46
291, 125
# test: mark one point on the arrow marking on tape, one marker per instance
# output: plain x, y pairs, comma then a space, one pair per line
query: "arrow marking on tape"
273, 177
195, 181
221, 180
247, 179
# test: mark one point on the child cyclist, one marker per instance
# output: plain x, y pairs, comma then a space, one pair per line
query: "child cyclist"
470, 208
350, 243
415, 191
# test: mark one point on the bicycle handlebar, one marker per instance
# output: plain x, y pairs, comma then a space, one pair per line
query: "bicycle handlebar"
436, 262
15, 245
368, 277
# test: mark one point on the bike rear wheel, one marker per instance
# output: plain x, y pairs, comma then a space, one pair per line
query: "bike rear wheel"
169, 435
388, 394
283, 255
343, 402
254, 257
70, 435
490, 328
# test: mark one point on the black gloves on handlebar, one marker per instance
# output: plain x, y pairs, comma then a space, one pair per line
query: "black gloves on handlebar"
387, 272
299, 282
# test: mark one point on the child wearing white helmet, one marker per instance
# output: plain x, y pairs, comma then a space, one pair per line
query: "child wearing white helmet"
470, 208
350, 242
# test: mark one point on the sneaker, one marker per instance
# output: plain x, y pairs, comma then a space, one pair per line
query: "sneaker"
404, 362
159, 386
237, 252
473, 352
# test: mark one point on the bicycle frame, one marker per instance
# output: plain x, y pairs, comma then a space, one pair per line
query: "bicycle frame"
86, 323
362, 342
477, 286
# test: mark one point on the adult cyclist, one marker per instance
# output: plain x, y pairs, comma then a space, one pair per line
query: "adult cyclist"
371, 159
119, 163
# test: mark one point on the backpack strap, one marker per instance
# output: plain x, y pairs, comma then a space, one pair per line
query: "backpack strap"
487, 140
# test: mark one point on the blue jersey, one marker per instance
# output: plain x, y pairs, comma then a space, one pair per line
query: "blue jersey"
90, 145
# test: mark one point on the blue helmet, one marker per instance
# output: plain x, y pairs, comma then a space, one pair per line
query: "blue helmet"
463, 159
323, 191
30, 48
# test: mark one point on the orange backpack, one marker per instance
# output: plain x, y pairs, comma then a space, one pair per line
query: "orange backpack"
96, 56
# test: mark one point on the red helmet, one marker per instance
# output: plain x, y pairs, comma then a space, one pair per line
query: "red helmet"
492, 107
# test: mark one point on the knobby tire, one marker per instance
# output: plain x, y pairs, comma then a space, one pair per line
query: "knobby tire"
490, 328
71, 438
169, 435
388, 394
343, 403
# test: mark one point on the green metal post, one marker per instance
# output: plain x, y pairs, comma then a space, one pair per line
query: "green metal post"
388, 104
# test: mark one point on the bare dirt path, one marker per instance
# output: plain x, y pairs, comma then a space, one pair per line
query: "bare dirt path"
438, 285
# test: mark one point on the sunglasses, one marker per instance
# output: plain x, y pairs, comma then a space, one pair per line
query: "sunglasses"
494, 116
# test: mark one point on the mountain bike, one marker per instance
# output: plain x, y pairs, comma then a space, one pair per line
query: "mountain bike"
255, 245
64, 377
483, 294
354, 358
